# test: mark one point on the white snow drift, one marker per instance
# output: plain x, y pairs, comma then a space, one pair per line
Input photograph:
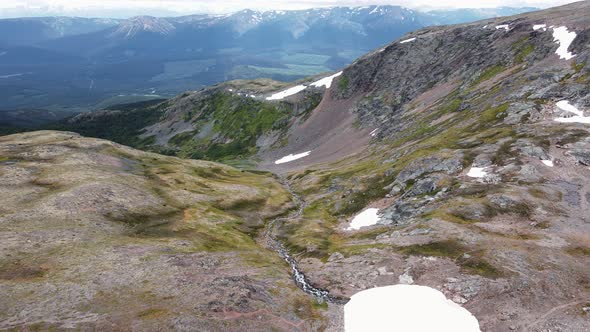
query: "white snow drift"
503, 26
326, 81
287, 93
292, 157
578, 117
477, 172
406, 308
407, 40
564, 38
548, 163
368, 217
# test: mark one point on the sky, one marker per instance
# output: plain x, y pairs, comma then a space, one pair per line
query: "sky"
128, 8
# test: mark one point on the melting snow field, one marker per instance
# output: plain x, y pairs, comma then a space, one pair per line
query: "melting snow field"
368, 217
579, 115
287, 93
406, 308
477, 172
292, 157
407, 40
326, 81
503, 26
548, 163
564, 39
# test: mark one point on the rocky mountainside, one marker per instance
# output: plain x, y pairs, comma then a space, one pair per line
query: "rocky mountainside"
455, 157
31, 30
96, 62
100, 236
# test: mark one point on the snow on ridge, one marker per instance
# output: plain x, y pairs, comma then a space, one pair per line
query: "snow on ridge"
407, 40
326, 81
286, 93
564, 38
292, 157
579, 117
406, 308
503, 26
540, 26
368, 217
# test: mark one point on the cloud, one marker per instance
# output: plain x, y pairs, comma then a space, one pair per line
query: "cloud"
125, 8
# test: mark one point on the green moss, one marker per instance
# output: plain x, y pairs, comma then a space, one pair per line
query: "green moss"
239, 121
522, 49
577, 67
152, 313
504, 153
374, 189
453, 106
489, 73
343, 83
471, 262
449, 248
578, 251
477, 265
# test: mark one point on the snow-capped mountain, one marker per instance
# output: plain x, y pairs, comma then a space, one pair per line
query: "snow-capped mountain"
131, 27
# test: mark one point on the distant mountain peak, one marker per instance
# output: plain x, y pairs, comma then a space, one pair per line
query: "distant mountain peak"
135, 25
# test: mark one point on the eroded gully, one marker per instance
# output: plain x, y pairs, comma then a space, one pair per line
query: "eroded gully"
298, 276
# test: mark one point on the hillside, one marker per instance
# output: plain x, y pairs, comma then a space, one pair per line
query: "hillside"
94, 60
456, 157
100, 236
470, 145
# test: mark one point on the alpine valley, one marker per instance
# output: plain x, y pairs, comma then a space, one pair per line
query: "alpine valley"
455, 157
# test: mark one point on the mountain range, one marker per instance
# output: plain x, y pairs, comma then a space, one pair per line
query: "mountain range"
79, 64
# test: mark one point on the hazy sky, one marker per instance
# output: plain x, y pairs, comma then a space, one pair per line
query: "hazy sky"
126, 8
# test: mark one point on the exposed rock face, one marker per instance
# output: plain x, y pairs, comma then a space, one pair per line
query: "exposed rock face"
429, 165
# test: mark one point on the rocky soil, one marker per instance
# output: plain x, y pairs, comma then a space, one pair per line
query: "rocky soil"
454, 136
98, 236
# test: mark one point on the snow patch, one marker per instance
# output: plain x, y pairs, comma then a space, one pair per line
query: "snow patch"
287, 93
292, 157
477, 172
368, 217
503, 26
407, 40
374, 132
564, 38
540, 26
406, 308
548, 163
579, 117
326, 81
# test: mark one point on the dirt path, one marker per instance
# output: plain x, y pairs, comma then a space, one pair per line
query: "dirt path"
551, 312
